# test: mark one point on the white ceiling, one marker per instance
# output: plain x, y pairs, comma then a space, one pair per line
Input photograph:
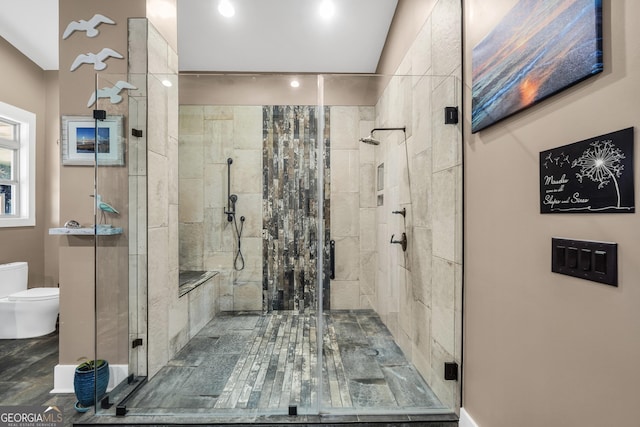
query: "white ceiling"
262, 36
32, 27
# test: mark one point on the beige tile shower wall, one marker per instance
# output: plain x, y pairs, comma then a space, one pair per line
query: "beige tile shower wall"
168, 315
209, 136
419, 291
352, 209
138, 285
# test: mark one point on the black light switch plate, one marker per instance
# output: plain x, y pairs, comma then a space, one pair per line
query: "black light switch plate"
595, 261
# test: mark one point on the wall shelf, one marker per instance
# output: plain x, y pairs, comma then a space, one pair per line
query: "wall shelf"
86, 231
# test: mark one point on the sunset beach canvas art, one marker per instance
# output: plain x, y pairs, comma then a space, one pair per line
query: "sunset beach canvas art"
538, 49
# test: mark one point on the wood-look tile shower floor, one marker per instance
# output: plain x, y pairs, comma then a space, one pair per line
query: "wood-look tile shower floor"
268, 362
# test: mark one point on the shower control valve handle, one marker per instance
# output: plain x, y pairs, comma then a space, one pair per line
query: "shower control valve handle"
402, 241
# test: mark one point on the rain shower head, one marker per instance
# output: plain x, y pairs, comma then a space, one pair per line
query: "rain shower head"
371, 140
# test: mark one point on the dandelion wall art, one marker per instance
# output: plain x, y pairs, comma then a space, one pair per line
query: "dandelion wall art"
595, 175
538, 49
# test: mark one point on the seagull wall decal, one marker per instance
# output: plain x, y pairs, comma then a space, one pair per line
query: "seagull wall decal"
113, 93
97, 59
89, 26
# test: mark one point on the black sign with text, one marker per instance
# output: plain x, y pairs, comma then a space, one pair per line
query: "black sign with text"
590, 176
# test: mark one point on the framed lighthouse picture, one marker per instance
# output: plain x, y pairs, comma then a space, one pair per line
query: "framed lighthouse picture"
84, 140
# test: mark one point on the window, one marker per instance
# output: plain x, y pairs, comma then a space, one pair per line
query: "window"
17, 167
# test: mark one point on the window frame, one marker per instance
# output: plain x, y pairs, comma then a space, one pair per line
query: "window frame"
25, 167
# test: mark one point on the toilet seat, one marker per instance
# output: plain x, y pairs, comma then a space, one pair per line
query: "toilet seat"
35, 294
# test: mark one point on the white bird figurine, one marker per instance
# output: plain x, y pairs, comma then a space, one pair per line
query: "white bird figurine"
104, 208
89, 26
113, 93
97, 59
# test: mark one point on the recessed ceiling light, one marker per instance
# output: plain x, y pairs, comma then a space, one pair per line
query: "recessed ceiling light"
327, 9
226, 9
295, 83
167, 83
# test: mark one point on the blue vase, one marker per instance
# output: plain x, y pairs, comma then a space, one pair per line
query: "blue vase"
89, 381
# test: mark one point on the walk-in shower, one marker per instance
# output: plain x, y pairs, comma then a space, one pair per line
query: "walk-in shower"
366, 331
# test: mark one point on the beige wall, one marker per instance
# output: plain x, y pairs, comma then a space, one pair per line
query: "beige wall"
77, 183
269, 89
544, 349
52, 176
24, 85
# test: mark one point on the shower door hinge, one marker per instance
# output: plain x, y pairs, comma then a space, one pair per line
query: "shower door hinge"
136, 132
451, 371
137, 342
450, 115
99, 114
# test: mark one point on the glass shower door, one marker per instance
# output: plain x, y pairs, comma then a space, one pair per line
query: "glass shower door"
293, 213
394, 311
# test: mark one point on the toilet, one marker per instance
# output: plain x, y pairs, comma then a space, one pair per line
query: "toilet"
25, 313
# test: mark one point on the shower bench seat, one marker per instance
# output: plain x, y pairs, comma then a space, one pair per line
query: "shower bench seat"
189, 280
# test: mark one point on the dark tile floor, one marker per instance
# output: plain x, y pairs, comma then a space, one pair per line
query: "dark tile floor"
26, 375
254, 362
249, 369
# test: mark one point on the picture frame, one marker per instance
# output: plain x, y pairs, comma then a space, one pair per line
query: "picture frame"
79, 145
536, 51
590, 176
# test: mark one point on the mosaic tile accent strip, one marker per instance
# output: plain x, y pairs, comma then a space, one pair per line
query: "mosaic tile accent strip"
290, 207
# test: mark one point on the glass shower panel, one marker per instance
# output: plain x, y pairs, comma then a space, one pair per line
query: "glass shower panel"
265, 171
120, 236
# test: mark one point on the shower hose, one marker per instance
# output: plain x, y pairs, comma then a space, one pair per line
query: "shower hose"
238, 260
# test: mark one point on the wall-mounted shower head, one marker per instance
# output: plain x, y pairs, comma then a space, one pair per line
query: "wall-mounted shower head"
371, 140
229, 160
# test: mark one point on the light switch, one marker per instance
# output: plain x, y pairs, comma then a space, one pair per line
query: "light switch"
572, 257
585, 259
600, 262
561, 256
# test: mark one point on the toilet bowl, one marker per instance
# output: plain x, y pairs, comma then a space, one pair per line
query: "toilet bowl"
25, 313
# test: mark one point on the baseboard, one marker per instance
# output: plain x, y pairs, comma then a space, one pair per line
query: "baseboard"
466, 420
63, 377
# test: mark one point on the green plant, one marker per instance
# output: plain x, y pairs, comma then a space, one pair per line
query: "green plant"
90, 365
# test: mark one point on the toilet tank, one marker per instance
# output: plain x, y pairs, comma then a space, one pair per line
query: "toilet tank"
13, 278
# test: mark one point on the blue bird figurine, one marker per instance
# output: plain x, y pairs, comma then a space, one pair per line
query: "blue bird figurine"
104, 207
